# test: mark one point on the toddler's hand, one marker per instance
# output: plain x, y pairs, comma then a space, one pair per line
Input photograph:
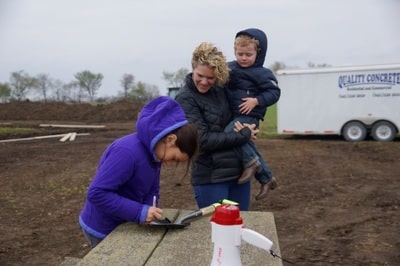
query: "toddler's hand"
248, 105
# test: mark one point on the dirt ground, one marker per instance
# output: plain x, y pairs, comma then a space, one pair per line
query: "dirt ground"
337, 203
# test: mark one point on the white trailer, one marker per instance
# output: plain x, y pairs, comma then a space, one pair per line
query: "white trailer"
352, 102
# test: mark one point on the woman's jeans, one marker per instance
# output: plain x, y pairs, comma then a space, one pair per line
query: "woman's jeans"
208, 194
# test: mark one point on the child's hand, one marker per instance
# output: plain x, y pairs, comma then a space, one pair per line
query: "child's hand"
248, 105
154, 213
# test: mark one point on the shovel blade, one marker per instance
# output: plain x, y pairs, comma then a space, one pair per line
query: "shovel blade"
166, 223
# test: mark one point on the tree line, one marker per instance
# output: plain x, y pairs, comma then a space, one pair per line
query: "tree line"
83, 88
85, 85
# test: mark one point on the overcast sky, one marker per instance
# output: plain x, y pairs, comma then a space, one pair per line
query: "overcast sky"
145, 38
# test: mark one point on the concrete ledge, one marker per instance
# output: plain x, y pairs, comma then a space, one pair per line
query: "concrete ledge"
128, 244
133, 244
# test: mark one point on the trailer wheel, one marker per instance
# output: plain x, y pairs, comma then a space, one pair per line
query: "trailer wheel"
354, 131
383, 131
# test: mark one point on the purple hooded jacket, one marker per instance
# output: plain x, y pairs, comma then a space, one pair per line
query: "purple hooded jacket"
128, 177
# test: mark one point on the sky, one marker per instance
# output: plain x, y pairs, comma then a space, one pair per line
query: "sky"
146, 38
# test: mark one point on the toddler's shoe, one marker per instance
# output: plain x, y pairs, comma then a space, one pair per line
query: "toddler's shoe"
265, 188
249, 172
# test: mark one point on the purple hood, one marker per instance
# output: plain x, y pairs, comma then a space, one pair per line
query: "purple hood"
157, 119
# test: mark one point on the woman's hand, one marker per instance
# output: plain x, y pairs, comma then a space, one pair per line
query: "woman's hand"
239, 126
153, 214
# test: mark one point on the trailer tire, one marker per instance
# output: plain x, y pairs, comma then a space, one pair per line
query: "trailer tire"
354, 131
383, 131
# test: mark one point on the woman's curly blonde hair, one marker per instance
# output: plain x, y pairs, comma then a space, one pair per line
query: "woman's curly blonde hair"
207, 54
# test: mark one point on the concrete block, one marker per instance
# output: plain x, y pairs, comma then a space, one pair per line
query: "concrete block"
133, 244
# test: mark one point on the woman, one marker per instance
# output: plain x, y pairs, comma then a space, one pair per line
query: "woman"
127, 182
216, 171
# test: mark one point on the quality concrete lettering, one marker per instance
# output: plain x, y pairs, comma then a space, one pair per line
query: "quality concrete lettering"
365, 79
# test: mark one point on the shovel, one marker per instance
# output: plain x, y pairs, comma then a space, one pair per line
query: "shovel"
183, 221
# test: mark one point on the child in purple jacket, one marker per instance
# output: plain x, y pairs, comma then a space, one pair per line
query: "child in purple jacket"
127, 180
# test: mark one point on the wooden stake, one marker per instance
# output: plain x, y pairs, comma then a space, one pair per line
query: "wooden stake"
72, 126
42, 137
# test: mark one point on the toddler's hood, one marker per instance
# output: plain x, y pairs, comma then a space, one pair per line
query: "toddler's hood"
262, 39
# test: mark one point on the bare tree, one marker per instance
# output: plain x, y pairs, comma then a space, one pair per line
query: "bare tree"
89, 82
276, 66
144, 92
61, 91
75, 92
127, 83
175, 79
152, 91
44, 84
20, 84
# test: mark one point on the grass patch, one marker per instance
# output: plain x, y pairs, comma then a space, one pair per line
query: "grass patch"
268, 127
12, 130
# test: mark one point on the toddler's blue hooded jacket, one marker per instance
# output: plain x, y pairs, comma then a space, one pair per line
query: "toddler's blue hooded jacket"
255, 81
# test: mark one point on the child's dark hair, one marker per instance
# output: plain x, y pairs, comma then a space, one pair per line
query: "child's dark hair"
188, 142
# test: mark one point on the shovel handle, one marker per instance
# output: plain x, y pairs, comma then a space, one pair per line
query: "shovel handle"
196, 214
210, 209
207, 210
203, 211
